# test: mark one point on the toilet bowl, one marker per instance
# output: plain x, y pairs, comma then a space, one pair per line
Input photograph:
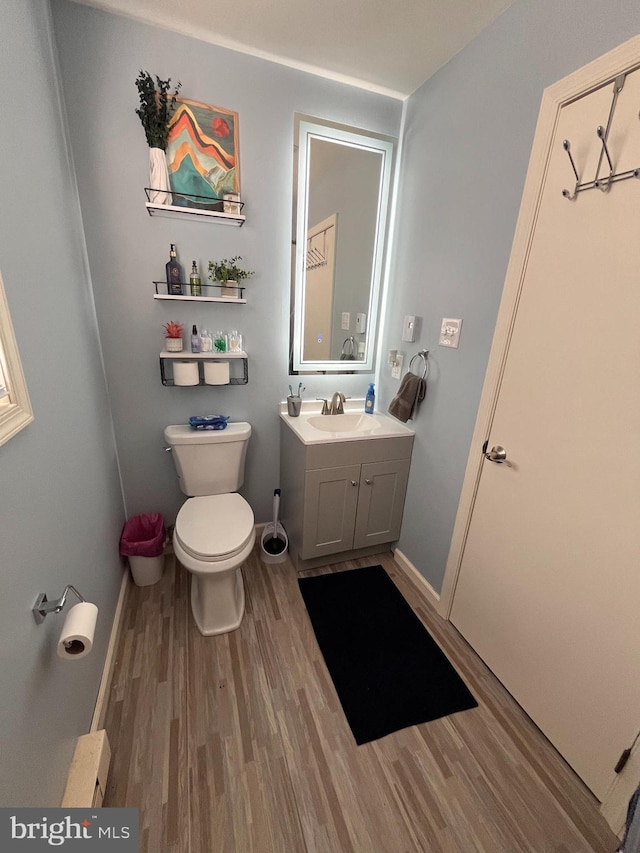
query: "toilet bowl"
214, 531
212, 538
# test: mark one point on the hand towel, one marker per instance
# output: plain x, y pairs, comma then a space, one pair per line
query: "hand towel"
412, 390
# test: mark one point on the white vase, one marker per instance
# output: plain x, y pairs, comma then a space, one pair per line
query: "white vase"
173, 344
158, 177
230, 289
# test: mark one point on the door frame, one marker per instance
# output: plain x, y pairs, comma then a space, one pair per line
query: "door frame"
605, 69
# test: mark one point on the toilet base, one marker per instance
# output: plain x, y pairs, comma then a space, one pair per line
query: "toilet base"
217, 602
217, 594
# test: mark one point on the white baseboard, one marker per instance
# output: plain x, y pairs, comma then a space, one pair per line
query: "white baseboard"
99, 711
408, 568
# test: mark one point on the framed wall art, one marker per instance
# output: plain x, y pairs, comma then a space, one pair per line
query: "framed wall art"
202, 155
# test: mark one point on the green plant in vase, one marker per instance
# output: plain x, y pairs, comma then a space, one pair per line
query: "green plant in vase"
229, 275
157, 105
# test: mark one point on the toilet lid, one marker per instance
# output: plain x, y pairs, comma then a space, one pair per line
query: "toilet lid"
214, 527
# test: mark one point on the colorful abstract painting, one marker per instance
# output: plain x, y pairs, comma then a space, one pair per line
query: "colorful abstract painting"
202, 154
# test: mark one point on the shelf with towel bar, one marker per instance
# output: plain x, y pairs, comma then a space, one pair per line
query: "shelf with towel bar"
184, 355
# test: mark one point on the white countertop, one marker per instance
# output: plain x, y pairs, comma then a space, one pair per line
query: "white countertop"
313, 428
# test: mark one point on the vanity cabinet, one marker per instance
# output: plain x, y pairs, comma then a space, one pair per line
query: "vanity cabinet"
342, 499
353, 506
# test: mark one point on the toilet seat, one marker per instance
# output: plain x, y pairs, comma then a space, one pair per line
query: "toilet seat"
214, 528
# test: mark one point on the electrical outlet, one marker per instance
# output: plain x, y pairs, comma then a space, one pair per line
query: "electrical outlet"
346, 320
450, 333
396, 370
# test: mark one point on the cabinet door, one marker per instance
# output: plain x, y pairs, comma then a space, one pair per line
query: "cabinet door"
330, 502
383, 486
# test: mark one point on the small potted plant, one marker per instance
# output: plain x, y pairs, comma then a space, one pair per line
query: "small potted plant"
229, 275
173, 332
157, 106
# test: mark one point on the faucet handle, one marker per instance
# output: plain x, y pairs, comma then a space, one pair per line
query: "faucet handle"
325, 406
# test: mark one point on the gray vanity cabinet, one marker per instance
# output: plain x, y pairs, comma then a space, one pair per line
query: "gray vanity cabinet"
342, 499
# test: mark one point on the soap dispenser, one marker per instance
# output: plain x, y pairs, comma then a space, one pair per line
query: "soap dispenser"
370, 400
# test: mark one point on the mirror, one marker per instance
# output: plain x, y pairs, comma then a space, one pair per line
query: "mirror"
15, 407
340, 212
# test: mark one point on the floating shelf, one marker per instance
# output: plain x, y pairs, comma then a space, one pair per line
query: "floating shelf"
201, 298
190, 210
188, 298
184, 355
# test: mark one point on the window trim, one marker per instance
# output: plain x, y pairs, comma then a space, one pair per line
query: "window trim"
18, 413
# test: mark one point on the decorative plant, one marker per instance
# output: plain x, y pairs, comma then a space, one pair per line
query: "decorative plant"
173, 329
157, 105
228, 270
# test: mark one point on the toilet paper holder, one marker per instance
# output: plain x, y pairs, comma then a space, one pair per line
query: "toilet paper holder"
44, 606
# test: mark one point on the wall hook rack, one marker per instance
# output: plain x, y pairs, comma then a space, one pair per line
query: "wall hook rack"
602, 133
43, 606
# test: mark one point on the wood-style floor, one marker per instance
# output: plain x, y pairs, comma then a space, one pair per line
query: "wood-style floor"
237, 743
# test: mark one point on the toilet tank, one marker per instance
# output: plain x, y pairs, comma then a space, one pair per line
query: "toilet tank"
209, 462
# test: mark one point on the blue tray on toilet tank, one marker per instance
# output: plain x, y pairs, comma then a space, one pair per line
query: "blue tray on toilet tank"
208, 421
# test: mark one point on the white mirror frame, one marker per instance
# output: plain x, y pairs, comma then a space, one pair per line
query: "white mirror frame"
309, 130
17, 412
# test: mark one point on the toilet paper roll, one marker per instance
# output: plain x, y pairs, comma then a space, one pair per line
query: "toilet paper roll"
76, 639
216, 372
185, 373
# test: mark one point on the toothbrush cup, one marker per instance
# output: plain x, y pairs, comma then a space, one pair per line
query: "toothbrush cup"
294, 404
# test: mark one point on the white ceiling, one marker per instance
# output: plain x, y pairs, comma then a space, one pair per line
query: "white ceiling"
388, 46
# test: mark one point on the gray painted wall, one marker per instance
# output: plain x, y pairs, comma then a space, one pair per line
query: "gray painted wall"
61, 508
467, 141
100, 57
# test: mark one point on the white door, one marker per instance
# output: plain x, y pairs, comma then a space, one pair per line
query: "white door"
319, 281
548, 591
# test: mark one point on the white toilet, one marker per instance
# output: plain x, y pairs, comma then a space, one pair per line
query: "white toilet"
214, 532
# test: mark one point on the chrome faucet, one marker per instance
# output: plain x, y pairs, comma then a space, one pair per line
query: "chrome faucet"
337, 404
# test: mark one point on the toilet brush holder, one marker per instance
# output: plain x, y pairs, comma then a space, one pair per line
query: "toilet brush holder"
275, 542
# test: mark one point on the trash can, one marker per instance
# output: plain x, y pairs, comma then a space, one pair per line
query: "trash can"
142, 542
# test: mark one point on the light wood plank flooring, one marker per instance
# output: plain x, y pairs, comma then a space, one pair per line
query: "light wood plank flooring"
237, 743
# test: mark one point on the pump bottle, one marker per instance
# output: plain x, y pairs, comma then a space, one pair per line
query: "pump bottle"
370, 400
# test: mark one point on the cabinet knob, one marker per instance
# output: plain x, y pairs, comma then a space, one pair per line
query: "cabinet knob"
368, 482
354, 482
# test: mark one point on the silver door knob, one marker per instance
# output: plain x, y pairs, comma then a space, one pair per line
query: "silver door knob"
496, 454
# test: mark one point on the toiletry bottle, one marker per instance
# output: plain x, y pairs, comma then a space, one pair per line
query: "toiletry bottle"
370, 400
235, 341
220, 341
174, 273
195, 339
205, 341
195, 285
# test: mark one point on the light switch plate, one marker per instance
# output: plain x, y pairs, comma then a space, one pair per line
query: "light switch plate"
361, 323
409, 328
346, 320
450, 333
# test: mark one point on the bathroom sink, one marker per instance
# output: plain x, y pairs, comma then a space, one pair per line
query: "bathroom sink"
343, 423
313, 428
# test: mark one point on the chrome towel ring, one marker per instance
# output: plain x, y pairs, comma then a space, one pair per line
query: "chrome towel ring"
422, 355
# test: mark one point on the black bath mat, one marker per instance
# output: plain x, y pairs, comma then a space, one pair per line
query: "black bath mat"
388, 671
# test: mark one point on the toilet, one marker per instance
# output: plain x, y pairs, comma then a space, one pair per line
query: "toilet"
214, 531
